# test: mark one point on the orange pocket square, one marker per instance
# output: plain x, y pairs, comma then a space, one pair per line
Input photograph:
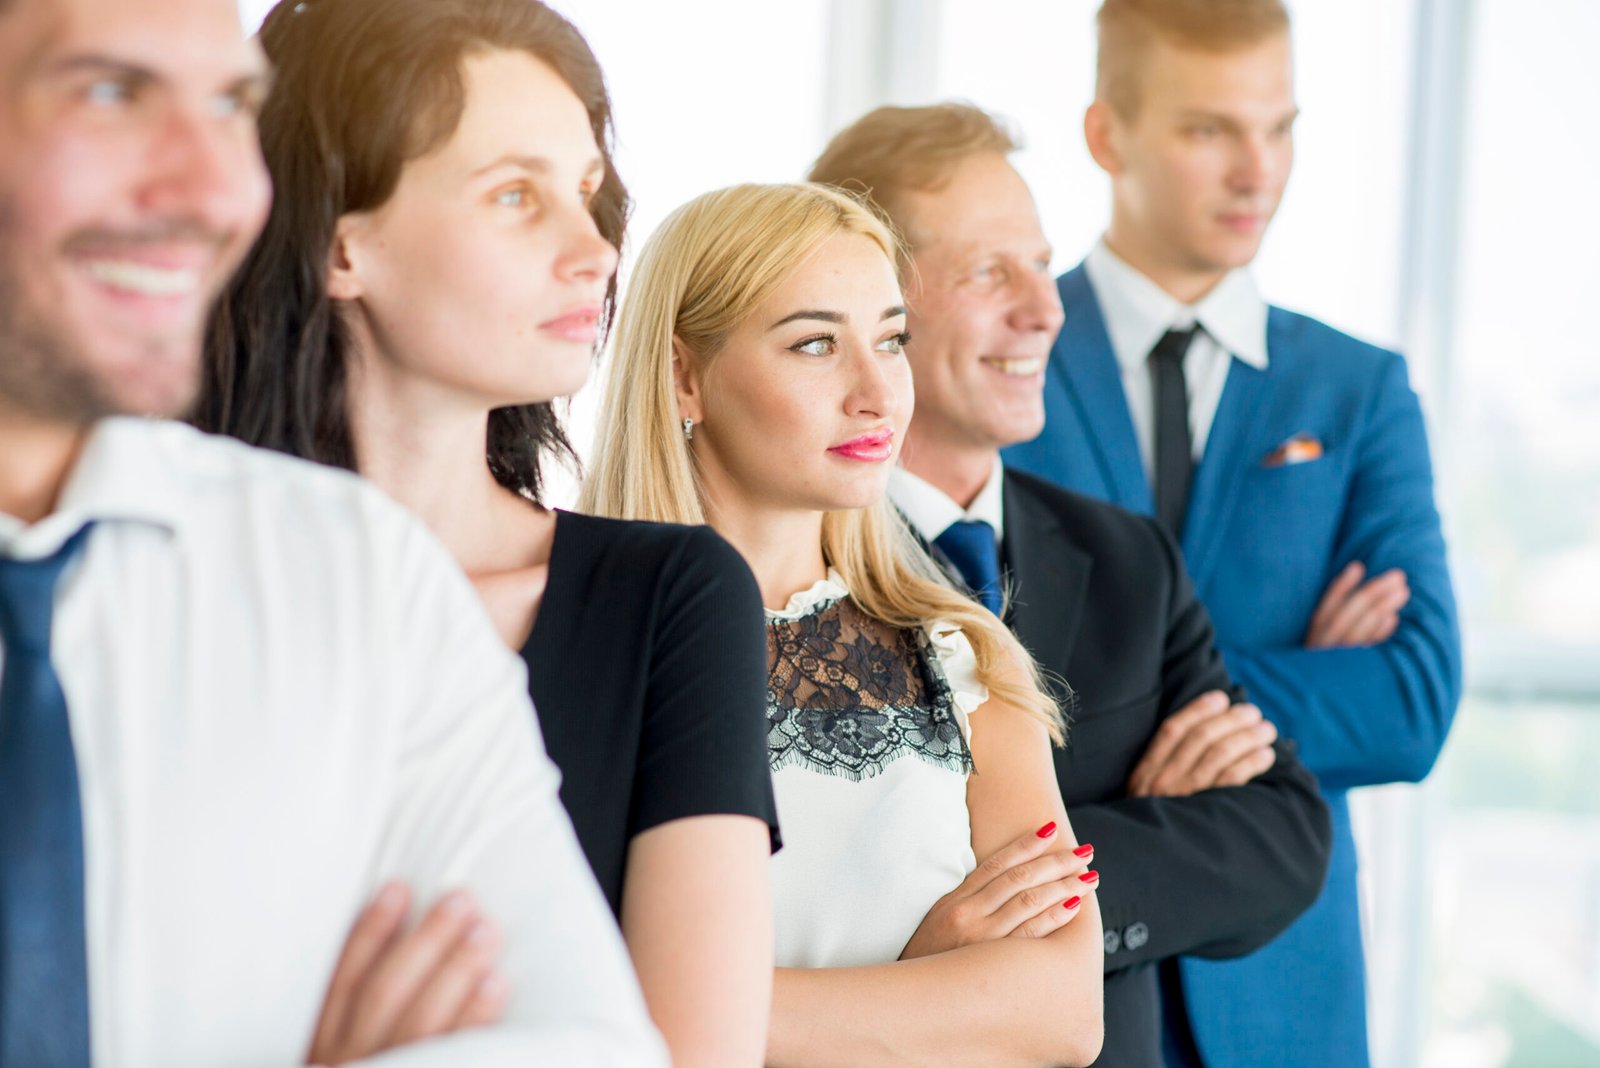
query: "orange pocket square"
1300, 449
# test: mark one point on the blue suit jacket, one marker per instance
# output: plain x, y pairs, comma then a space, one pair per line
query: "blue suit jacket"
1262, 544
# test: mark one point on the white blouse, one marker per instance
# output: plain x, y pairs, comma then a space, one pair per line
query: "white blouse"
869, 750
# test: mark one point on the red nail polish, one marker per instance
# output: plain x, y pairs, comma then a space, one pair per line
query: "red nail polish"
1047, 830
1071, 902
1089, 877
1083, 850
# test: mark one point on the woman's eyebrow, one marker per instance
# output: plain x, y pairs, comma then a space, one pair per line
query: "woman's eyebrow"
821, 316
534, 164
831, 316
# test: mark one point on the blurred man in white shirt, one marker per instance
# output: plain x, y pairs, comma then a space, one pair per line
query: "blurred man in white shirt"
252, 689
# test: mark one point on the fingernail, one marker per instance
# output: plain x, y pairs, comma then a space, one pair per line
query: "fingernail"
1083, 850
1047, 830
457, 902
491, 987
1089, 877
482, 933
1072, 902
390, 898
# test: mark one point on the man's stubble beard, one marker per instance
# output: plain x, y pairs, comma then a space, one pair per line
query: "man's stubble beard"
47, 371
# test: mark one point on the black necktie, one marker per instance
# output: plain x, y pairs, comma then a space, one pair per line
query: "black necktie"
1174, 450
44, 985
970, 545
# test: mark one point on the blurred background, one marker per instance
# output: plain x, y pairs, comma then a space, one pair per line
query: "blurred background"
1444, 204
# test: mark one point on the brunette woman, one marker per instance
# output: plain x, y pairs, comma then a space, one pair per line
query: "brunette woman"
438, 267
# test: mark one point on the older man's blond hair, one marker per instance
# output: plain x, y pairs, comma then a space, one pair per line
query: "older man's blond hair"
892, 151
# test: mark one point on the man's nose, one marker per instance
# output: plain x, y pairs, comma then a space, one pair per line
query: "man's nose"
208, 170
1252, 165
1038, 304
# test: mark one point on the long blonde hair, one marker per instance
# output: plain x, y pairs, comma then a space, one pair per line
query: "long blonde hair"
704, 271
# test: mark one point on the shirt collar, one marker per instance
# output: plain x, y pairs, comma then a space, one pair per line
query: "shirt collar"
1138, 312
123, 474
931, 511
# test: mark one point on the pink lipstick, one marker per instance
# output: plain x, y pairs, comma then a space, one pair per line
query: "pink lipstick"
579, 324
875, 447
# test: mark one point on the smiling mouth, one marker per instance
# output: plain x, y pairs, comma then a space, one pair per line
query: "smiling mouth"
143, 279
1016, 367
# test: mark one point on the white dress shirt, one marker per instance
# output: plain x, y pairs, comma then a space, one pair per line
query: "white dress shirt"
930, 510
1233, 325
283, 692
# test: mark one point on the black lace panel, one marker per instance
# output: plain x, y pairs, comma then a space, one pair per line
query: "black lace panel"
848, 695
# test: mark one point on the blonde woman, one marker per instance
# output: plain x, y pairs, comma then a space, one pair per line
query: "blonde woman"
759, 384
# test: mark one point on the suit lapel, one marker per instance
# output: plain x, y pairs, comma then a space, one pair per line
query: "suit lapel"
1051, 576
1094, 384
1227, 458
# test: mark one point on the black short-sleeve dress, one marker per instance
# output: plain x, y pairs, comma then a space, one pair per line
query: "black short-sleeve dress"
648, 667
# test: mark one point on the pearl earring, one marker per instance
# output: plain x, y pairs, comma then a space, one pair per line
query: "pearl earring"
688, 430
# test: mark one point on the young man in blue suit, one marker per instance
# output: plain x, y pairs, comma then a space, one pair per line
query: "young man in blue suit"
1211, 847
1289, 460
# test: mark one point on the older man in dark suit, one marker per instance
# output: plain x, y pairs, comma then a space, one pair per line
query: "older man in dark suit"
1210, 835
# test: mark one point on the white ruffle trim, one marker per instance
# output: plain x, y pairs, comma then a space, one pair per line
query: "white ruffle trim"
823, 591
960, 666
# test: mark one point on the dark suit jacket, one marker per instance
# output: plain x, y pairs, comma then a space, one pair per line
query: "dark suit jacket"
1102, 600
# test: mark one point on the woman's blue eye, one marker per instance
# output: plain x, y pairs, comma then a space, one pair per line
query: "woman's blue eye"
511, 198
821, 345
895, 343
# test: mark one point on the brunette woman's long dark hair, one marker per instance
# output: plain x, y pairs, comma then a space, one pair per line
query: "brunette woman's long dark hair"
363, 86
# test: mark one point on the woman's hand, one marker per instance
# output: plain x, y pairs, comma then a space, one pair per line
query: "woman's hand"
1023, 890
392, 987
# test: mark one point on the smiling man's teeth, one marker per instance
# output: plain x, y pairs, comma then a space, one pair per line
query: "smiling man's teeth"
144, 279
1020, 368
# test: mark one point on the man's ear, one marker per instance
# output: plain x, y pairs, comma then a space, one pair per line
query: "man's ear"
686, 381
1100, 134
344, 257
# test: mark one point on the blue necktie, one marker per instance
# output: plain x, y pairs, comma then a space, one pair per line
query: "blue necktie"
44, 985
970, 545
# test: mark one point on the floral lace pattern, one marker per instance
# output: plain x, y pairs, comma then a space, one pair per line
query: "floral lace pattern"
848, 695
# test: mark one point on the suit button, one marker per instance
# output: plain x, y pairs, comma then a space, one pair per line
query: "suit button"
1113, 942
1135, 936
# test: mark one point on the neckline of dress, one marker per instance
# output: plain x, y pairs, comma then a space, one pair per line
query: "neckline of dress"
820, 594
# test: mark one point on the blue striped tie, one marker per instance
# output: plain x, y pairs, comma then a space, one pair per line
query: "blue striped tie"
44, 986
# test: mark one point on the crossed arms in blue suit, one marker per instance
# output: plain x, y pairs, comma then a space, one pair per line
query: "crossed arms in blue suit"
1264, 542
